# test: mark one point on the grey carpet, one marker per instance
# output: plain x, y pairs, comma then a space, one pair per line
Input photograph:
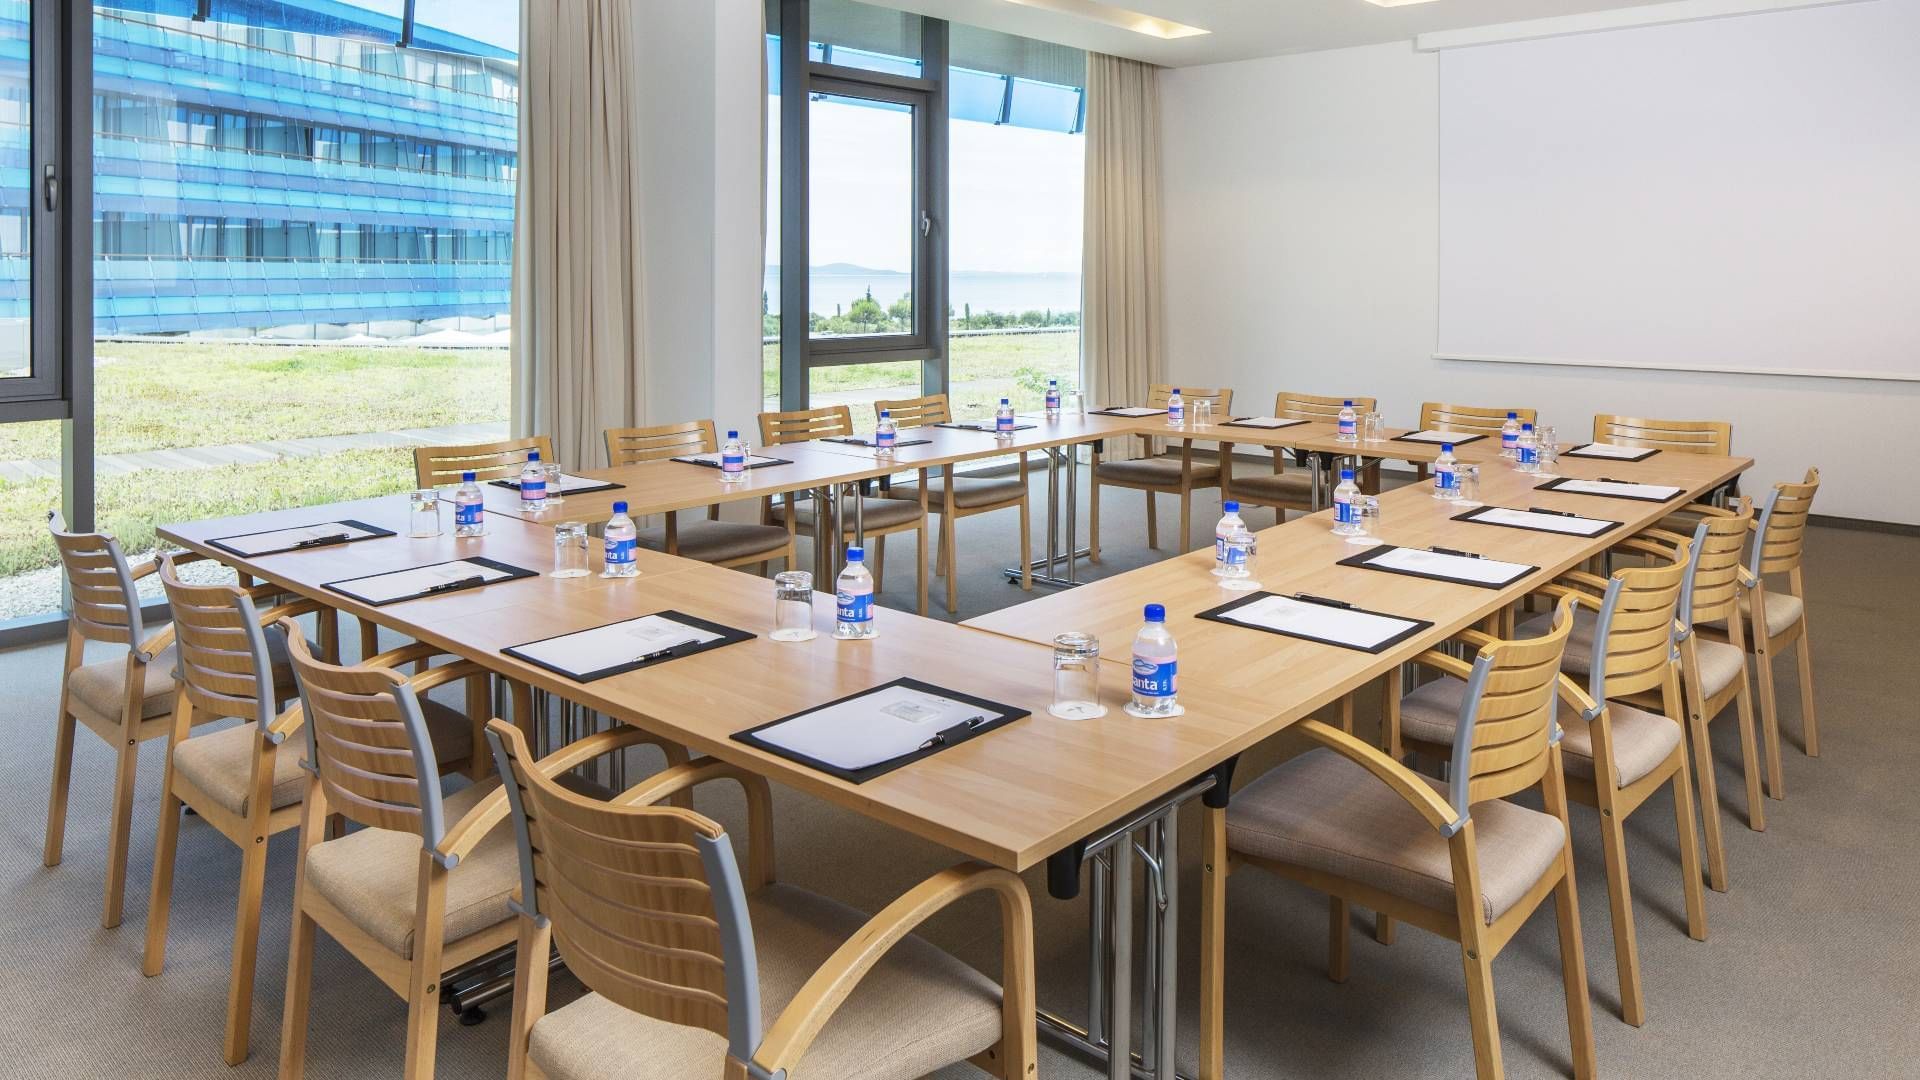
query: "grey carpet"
1810, 968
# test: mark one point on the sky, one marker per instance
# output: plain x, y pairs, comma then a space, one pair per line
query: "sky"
1015, 193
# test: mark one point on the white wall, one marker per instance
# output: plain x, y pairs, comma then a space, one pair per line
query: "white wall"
1302, 221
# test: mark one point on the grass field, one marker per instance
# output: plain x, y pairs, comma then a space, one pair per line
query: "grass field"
984, 370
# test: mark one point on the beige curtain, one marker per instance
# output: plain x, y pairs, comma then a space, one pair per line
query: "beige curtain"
1122, 343
577, 362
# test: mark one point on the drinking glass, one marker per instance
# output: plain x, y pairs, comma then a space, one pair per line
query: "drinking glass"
1076, 677
1468, 477
1203, 413
554, 493
1074, 404
1366, 513
1373, 427
1241, 577
570, 549
423, 514
793, 606
1549, 451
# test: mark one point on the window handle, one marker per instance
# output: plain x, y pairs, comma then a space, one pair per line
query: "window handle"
926, 224
50, 188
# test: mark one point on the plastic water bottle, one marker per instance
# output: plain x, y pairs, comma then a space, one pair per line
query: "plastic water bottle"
1527, 450
533, 485
621, 540
853, 607
1156, 667
1345, 521
1229, 521
1237, 570
733, 459
1176, 409
1446, 481
1349, 424
1053, 399
885, 434
1510, 435
469, 508
1003, 420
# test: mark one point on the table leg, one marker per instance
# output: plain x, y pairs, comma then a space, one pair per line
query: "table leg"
1168, 918
1120, 1001
1316, 467
1043, 569
1097, 951
822, 547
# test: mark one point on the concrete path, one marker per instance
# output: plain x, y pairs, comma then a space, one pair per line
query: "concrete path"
251, 453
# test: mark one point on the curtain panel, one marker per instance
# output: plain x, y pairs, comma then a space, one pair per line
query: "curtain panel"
1124, 328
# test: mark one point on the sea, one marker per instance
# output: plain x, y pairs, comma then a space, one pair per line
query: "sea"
985, 290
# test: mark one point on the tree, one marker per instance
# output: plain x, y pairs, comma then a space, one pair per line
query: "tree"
867, 311
902, 311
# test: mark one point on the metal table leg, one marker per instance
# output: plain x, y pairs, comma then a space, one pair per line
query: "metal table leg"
1317, 468
1043, 569
822, 546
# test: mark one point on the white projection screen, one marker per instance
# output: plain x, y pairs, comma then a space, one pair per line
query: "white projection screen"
1734, 194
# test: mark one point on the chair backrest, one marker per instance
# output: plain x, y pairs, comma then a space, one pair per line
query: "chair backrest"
224, 668
646, 902
1633, 634
803, 424
1288, 405
629, 446
1682, 436
916, 412
1713, 581
437, 466
367, 742
1471, 419
106, 607
1222, 399
1508, 716
1783, 526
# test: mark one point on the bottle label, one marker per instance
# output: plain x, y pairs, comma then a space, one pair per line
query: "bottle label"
1154, 678
1003, 423
1529, 455
1236, 555
1445, 479
1509, 440
883, 439
533, 490
1343, 510
852, 607
1346, 426
468, 513
619, 552
1219, 549
1176, 412
733, 464
1053, 401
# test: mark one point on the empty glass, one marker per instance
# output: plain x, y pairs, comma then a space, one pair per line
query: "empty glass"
555, 496
1549, 453
1373, 427
1076, 677
570, 549
423, 514
1074, 404
1468, 477
1203, 413
1366, 514
793, 606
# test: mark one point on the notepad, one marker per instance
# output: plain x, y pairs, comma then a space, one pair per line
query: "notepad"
1434, 435
1131, 410
712, 461
1539, 521
627, 645
984, 425
569, 484
420, 581
875, 731
1612, 452
855, 440
276, 541
1613, 489
1318, 620
1267, 423
1438, 566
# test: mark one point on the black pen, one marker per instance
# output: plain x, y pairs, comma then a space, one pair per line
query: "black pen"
1451, 551
322, 541
449, 586
944, 737
1312, 599
648, 658
1555, 513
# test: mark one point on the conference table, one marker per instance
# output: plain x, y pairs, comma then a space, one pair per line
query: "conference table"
1070, 794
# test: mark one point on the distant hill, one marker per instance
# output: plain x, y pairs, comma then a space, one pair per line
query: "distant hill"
856, 270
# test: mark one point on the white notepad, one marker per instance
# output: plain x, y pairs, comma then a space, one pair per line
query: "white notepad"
613, 645
714, 459
1262, 422
1337, 625
384, 588
1656, 492
1434, 435
890, 722
1454, 567
279, 540
569, 484
1611, 451
1554, 523
1133, 410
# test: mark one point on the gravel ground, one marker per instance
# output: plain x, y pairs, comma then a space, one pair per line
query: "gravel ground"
37, 592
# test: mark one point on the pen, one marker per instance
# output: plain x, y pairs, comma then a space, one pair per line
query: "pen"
322, 541
1555, 513
1312, 599
449, 586
1451, 551
944, 737
647, 658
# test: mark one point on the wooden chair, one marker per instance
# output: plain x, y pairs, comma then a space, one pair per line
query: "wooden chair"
1169, 472
438, 466
1285, 490
955, 497
1713, 437
1617, 755
1777, 618
710, 540
684, 953
1467, 419
1457, 859
423, 888
881, 517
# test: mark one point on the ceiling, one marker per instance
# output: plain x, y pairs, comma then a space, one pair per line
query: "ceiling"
1243, 29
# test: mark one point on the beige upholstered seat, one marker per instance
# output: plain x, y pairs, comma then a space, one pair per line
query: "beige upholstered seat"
1324, 812
373, 876
1164, 469
918, 1011
875, 513
1720, 663
1783, 609
720, 541
1294, 486
100, 688
968, 491
1641, 740
1579, 657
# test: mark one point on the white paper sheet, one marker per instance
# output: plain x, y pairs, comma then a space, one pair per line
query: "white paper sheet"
714, 459
1610, 451
1661, 492
1460, 568
282, 539
887, 723
1528, 519
1133, 410
380, 588
569, 483
1359, 629
1435, 435
1263, 422
614, 644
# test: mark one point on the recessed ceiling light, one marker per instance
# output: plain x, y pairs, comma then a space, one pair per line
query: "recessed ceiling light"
1150, 25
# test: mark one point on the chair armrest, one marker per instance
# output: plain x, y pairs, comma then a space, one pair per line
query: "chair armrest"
473, 826
405, 654
1404, 781
284, 725
1580, 597
1663, 536
440, 676
674, 782
1643, 547
1571, 693
1591, 582
580, 751
788, 1040
180, 557
290, 609
1439, 661
155, 644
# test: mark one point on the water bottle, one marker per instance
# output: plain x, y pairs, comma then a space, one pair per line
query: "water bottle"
1155, 666
1446, 482
1345, 521
1510, 435
733, 459
1053, 399
1527, 450
1349, 424
884, 434
469, 508
621, 540
1229, 520
1237, 564
533, 485
853, 607
1003, 420
1176, 409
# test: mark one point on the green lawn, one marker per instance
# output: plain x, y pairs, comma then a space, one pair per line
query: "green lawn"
984, 370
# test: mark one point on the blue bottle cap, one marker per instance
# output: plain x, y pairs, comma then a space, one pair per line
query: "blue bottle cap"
1513, 416
1156, 613
855, 555
1526, 427
887, 414
1446, 448
619, 508
466, 478
1349, 403
731, 434
1230, 507
533, 455
1346, 474
1003, 401
1176, 389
